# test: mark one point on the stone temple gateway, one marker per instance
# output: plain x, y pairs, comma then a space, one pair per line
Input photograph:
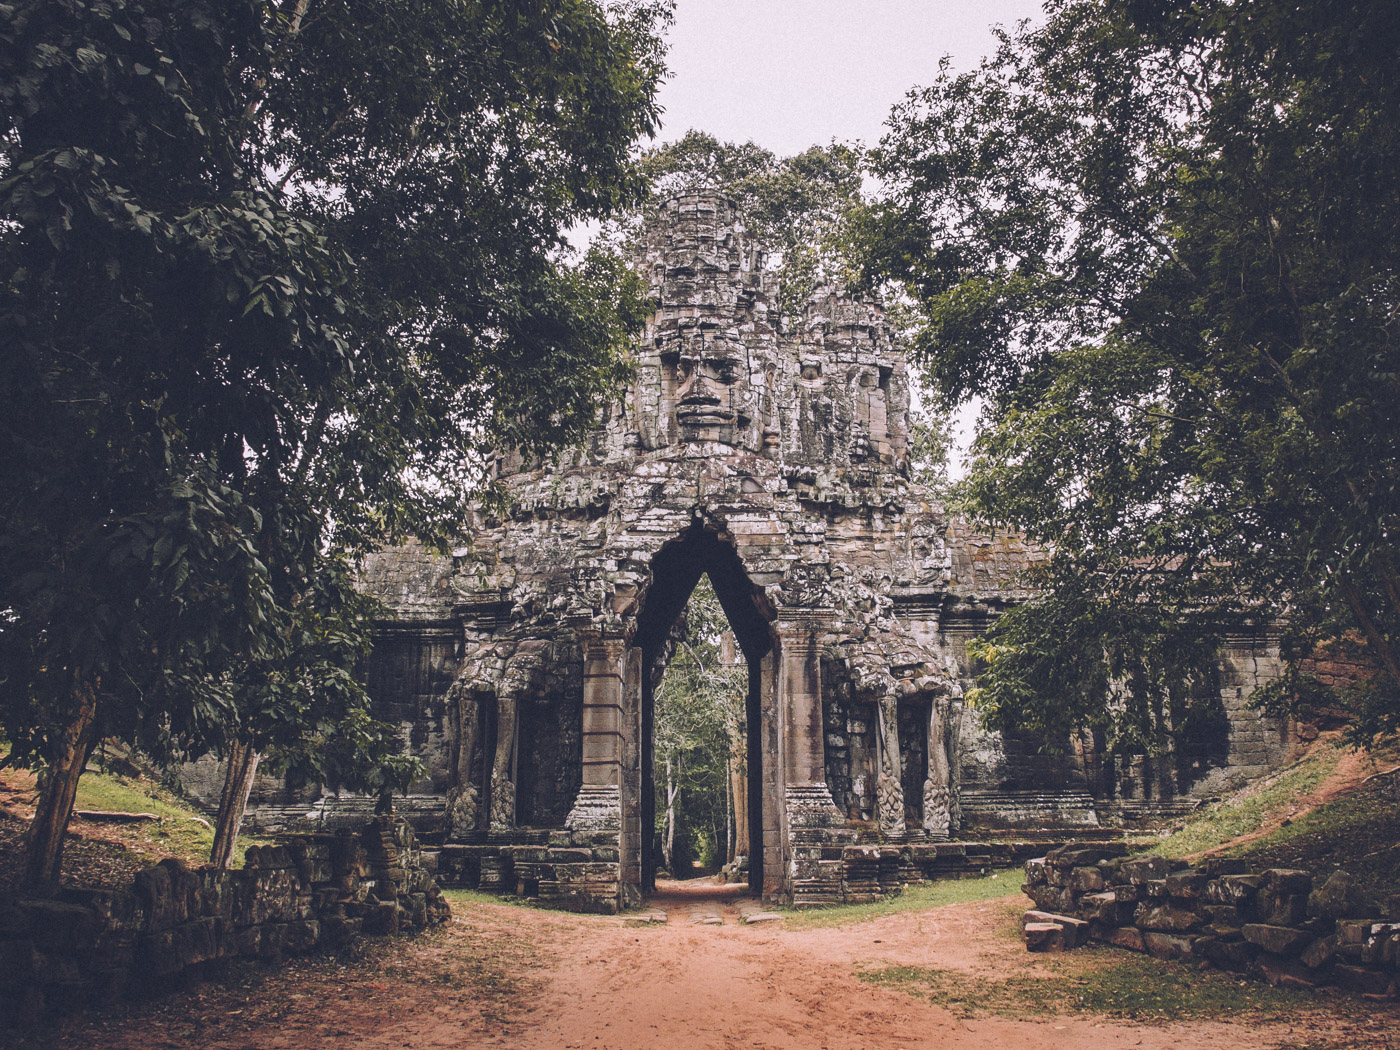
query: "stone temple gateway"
773, 456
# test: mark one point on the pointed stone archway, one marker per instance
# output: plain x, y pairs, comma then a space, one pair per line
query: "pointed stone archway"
774, 458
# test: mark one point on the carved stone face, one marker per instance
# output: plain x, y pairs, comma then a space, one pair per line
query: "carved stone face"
712, 392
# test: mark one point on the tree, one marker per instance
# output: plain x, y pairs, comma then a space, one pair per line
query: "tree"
1157, 238
275, 276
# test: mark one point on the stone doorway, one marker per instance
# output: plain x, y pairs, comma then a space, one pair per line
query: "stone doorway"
676, 570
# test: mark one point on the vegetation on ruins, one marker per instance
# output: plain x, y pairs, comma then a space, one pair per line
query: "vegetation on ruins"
699, 740
276, 275
798, 205
1157, 239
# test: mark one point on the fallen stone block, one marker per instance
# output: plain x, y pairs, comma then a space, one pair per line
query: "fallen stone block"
1044, 937
1165, 918
1129, 937
1076, 930
1280, 940
1282, 972
1167, 945
1368, 982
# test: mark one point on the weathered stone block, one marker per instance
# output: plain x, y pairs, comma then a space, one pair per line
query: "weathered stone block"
58, 927
1167, 945
1229, 954
1286, 972
1141, 870
1280, 940
1129, 937
1364, 980
1233, 889
1165, 917
1044, 937
1186, 885
1287, 881
1086, 880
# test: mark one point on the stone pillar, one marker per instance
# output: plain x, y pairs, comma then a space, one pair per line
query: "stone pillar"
812, 826
463, 797
503, 765
938, 786
809, 801
889, 785
599, 803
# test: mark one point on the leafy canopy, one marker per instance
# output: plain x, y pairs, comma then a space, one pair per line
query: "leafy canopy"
273, 278
1157, 239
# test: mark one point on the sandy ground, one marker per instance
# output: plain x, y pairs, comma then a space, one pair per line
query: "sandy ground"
514, 977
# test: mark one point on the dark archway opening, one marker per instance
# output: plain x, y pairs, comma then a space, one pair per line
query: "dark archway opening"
676, 569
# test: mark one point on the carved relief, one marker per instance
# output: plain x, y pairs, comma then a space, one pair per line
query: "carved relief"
889, 792
938, 792
463, 796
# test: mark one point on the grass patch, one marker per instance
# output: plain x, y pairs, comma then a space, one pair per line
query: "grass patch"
914, 898
1356, 833
181, 831
1094, 981
1246, 810
458, 896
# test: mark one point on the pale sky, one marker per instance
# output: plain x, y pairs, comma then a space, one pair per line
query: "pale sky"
789, 74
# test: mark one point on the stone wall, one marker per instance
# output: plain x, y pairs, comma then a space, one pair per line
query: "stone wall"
1273, 924
93, 946
576, 871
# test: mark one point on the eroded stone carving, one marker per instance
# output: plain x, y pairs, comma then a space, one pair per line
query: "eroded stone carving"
771, 453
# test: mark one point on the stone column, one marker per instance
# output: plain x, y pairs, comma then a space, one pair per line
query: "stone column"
503, 765
463, 797
938, 785
889, 786
599, 803
809, 802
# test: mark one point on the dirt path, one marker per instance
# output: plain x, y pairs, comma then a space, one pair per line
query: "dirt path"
533, 980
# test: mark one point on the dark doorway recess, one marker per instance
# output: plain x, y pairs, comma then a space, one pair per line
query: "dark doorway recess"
675, 570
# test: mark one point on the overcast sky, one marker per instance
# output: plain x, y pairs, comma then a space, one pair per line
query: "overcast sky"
789, 74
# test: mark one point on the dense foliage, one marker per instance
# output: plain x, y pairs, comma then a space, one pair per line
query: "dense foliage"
1157, 238
274, 275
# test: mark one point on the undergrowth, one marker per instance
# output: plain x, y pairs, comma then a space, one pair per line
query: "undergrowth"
1246, 810
1099, 982
914, 898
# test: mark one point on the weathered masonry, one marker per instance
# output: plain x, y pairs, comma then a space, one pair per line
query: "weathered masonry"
772, 455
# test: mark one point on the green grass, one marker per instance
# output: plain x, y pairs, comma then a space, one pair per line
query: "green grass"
915, 898
1246, 810
1097, 982
181, 830
1357, 832
456, 897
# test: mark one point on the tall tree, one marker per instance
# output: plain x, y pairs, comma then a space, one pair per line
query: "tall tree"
1157, 238
276, 273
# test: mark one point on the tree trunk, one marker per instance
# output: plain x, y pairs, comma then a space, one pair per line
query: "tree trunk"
668, 839
58, 787
233, 801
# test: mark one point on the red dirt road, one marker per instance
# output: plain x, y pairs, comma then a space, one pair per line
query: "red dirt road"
533, 980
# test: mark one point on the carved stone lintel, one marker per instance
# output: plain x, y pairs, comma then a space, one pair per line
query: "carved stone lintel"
597, 808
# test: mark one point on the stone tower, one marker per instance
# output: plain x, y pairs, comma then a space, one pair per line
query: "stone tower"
773, 455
